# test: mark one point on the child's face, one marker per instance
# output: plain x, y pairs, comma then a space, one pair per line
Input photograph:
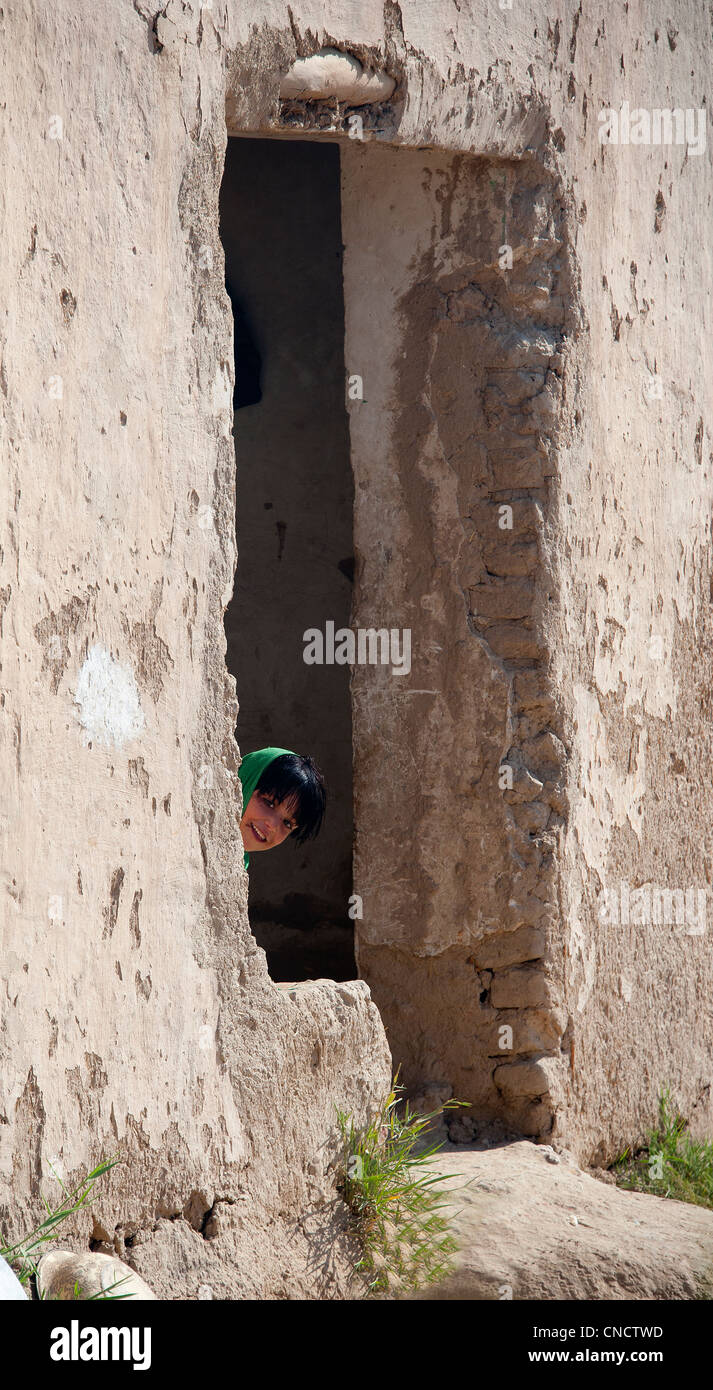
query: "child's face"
266, 822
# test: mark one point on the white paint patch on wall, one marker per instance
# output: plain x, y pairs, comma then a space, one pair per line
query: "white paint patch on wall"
108, 697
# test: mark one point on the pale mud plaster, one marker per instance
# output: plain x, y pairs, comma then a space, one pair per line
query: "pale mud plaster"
631, 634
124, 920
463, 365
137, 1016
574, 648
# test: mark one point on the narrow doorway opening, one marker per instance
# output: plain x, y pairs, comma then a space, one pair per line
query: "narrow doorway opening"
280, 225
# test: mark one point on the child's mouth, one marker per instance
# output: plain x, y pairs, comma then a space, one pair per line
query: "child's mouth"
258, 836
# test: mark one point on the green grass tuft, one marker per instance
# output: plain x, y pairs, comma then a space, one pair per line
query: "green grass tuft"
395, 1201
20, 1256
671, 1164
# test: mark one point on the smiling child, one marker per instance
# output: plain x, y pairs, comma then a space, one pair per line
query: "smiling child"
283, 794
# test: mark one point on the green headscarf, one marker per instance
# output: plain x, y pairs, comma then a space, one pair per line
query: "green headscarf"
250, 771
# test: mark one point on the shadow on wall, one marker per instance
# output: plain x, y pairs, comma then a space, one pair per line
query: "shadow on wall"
281, 231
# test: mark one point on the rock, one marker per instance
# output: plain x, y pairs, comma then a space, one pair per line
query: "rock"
461, 1130
525, 788
59, 1271
527, 943
10, 1286
536, 1030
532, 816
555, 1232
522, 1079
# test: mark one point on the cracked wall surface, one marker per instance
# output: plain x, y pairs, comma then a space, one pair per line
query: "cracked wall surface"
457, 866
482, 902
137, 1015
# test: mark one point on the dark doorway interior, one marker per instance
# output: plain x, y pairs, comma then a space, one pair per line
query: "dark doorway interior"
280, 227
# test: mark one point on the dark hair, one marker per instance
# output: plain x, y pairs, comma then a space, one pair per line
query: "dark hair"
297, 780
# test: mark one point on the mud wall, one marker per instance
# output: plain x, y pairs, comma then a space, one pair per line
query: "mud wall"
552, 746
137, 1015
134, 996
499, 893
459, 794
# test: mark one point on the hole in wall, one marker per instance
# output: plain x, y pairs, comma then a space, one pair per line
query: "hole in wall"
281, 231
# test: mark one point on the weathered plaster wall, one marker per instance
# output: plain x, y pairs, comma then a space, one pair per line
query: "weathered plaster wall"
609, 549
632, 636
133, 995
137, 1014
457, 877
